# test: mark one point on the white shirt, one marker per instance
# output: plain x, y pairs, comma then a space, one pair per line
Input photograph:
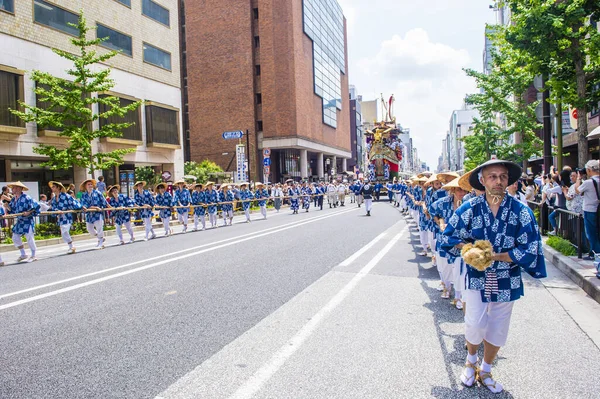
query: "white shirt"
341, 188
590, 200
331, 188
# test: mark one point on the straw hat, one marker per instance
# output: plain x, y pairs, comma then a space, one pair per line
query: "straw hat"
209, 183
454, 184
514, 172
421, 180
18, 184
224, 186
446, 177
258, 184
143, 183
199, 185
243, 184
159, 185
432, 178
83, 184
180, 181
117, 186
289, 180
59, 184
463, 182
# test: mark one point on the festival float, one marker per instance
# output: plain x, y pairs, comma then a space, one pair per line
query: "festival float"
384, 147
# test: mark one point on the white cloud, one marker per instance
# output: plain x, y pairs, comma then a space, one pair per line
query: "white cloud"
427, 81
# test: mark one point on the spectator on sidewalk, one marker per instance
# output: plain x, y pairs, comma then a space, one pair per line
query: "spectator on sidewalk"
590, 190
101, 186
574, 200
558, 191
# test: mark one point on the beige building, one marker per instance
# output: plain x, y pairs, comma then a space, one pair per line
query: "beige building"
146, 32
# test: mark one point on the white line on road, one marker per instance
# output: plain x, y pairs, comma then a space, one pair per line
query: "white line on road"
260, 378
170, 260
361, 251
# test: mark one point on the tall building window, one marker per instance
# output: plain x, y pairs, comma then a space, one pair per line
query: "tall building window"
114, 40
45, 104
155, 11
258, 98
125, 2
259, 126
55, 17
256, 41
133, 132
257, 69
155, 56
162, 125
11, 92
7, 5
255, 13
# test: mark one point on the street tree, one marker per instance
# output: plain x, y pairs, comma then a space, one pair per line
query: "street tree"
203, 170
70, 108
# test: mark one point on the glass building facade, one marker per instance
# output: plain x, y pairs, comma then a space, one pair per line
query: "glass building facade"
324, 25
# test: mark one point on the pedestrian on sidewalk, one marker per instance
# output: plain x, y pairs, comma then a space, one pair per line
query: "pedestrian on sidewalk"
367, 194
65, 204
513, 232
93, 200
145, 200
27, 209
122, 217
101, 186
590, 189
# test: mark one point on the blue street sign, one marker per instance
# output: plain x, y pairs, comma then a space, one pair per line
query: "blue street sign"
267, 162
233, 135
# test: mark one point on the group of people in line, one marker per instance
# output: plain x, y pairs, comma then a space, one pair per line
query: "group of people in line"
451, 211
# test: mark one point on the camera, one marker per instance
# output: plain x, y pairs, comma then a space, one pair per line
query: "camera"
580, 171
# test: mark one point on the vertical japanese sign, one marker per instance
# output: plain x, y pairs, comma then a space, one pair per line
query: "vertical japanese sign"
241, 173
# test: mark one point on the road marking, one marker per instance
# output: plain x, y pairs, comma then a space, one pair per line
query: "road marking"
161, 256
153, 265
262, 376
361, 251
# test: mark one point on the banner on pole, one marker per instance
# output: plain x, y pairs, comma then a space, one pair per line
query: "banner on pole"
241, 173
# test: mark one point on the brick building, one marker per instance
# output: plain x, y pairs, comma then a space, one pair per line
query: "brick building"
146, 32
275, 68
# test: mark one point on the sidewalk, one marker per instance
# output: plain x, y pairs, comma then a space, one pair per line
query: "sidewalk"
582, 272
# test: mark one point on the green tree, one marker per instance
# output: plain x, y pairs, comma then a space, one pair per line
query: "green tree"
202, 170
147, 174
70, 108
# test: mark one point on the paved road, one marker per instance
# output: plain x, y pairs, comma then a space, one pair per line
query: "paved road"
325, 304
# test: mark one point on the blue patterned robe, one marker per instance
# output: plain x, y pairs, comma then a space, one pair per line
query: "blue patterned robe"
226, 197
246, 196
306, 193
294, 194
182, 198
435, 195
261, 195
513, 230
199, 198
123, 201
165, 199
94, 199
144, 199
23, 204
212, 199
64, 202
443, 209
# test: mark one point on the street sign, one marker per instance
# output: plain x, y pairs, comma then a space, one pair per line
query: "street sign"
233, 135
267, 162
267, 170
166, 175
267, 152
241, 167
573, 117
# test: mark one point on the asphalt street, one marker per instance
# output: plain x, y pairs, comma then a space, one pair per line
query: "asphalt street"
324, 304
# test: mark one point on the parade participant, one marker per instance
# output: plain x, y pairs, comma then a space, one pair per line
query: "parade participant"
358, 191
511, 228
419, 202
277, 195
314, 189
182, 198
2, 213
306, 193
27, 208
64, 203
377, 188
341, 192
332, 195
145, 200
164, 202
294, 195
226, 200
366, 192
247, 196
122, 217
435, 192
351, 192
390, 187
212, 199
262, 195
93, 200
320, 194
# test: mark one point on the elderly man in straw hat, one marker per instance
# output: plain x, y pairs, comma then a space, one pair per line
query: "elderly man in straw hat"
93, 200
262, 195
146, 202
246, 196
182, 198
164, 201
212, 199
122, 217
65, 204
226, 199
26, 208
199, 199
512, 230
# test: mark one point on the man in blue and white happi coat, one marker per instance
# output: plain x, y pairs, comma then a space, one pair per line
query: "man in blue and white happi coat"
261, 195
246, 196
512, 229
182, 199
122, 217
306, 193
226, 199
358, 185
434, 193
94, 201
145, 200
199, 200
64, 203
163, 201
294, 195
2, 214
27, 208
212, 199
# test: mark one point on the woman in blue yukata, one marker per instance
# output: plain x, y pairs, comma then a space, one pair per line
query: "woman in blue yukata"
226, 199
164, 201
93, 200
64, 203
122, 217
306, 194
261, 195
199, 199
212, 200
182, 198
294, 195
246, 196
27, 208
512, 230
145, 200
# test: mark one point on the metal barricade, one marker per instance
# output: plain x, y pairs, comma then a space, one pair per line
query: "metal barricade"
569, 225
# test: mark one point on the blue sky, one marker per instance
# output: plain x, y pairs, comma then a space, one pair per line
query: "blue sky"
416, 50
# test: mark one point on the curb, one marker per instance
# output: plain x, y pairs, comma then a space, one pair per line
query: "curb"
581, 274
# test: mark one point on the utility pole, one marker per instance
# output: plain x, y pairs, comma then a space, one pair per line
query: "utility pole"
547, 123
248, 153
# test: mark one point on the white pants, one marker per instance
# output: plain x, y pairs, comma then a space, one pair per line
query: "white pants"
459, 278
65, 232
331, 198
445, 271
360, 199
18, 241
263, 211
431, 239
167, 224
120, 232
424, 237
247, 213
183, 218
202, 220
486, 321
352, 197
227, 215
212, 217
148, 226
96, 229
368, 204
402, 203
